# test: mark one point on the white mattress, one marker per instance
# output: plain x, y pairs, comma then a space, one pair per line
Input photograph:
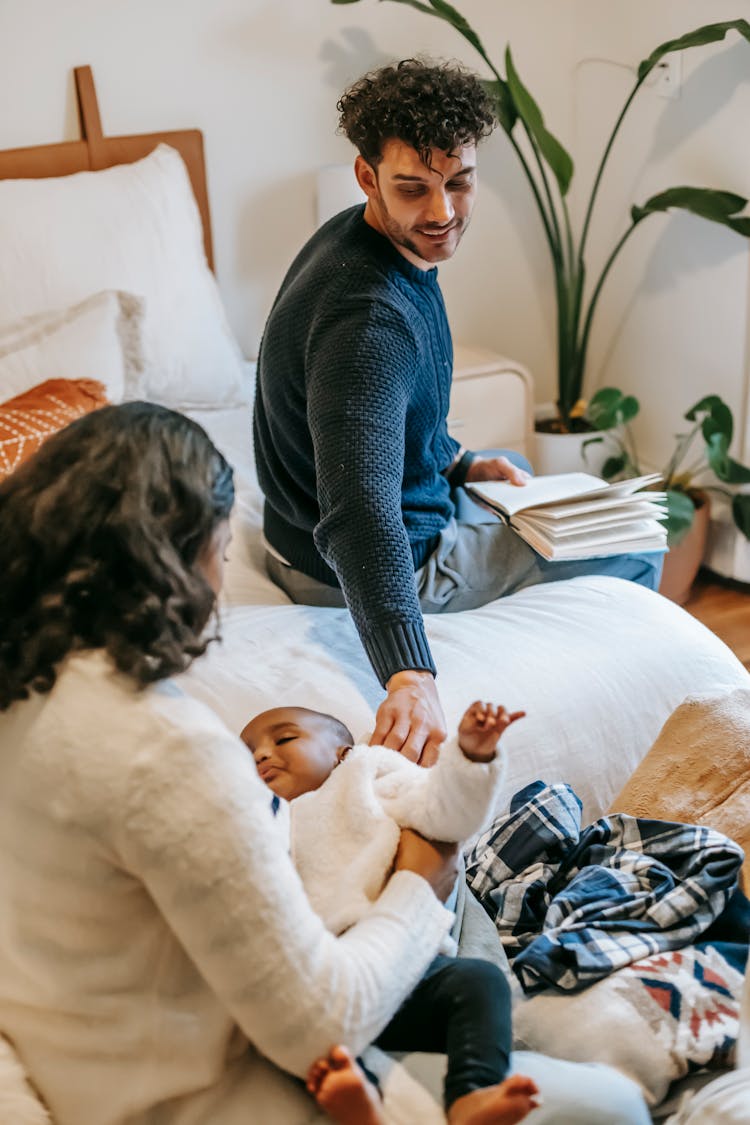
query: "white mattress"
597, 663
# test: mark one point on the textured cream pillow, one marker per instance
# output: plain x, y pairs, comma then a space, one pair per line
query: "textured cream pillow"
99, 338
656, 1020
698, 770
136, 228
18, 1102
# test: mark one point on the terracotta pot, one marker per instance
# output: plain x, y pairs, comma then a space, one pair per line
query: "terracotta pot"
681, 563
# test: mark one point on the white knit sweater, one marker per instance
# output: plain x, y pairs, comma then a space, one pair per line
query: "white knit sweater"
150, 927
344, 835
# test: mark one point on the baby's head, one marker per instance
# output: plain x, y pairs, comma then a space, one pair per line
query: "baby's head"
295, 749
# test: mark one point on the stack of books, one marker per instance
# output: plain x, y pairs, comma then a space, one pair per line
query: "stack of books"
579, 516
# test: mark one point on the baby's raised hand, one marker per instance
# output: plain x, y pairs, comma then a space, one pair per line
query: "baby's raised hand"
480, 729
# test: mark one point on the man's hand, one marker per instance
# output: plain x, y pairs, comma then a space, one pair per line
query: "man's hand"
410, 718
496, 468
480, 729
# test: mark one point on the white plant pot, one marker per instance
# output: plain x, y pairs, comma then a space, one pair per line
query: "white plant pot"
565, 453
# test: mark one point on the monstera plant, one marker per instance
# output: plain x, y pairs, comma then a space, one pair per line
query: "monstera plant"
700, 452
549, 171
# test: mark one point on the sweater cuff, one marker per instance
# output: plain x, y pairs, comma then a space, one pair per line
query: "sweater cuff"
411, 899
458, 472
466, 767
398, 648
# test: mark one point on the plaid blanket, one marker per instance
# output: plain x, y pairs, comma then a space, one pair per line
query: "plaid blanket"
572, 905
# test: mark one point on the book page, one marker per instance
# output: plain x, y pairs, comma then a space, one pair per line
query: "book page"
641, 535
511, 498
607, 517
599, 503
554, 489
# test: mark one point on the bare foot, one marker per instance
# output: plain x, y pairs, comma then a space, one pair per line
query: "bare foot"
342, 1091
504, 1104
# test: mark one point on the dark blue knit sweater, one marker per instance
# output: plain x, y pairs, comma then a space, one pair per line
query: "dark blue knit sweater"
351, 444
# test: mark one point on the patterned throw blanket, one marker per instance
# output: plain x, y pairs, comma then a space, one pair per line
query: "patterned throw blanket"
572, 904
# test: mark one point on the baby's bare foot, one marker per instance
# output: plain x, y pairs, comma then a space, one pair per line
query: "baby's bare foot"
504, 1104
342, 1091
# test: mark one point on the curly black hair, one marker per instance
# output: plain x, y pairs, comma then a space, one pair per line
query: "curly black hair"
100, 534
424, 104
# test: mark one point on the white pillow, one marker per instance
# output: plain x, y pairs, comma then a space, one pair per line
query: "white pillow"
133, 227
99, 338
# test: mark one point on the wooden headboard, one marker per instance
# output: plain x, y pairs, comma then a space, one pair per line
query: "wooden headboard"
95, 151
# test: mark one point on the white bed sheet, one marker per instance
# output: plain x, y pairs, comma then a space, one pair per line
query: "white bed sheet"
597, 663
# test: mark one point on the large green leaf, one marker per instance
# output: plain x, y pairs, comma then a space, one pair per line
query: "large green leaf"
505, 108
717, 452
718, 206
444, 11
613, 466
741, 513
725, 467
737, 473
717, 428
463, 27
719, 421
730, 471
609, 407
710, 33
705, 404
529, 112
680, 513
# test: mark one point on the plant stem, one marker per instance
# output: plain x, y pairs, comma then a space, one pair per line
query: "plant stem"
631, 450
553, 244
595, 295
563, 348
569, 238
697, 467
600, 170
545, 184
683, 444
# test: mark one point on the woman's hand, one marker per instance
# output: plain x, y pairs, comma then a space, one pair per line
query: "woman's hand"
434, 860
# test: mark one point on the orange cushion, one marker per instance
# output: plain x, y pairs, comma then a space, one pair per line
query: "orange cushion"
27, 419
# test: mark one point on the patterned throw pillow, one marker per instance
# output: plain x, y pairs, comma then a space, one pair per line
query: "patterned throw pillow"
656, 1020
28, 419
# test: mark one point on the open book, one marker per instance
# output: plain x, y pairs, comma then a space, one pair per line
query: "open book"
579, 516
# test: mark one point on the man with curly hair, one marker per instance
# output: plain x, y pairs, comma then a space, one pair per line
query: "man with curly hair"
354, 376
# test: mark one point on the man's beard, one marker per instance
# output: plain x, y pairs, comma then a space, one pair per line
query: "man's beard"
402, 236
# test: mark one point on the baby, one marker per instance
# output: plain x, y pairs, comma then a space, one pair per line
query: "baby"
349, 804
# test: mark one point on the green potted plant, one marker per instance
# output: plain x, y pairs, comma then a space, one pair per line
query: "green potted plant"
549, 171
700, 453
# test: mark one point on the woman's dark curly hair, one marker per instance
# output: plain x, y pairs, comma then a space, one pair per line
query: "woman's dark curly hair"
425, 104
100, 532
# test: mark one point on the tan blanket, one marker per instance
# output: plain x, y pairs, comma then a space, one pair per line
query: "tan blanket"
698, 770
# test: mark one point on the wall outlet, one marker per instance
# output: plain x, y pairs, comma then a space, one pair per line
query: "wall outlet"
666, 77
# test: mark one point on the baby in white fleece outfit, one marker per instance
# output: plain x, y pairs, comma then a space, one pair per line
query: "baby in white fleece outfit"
349, 804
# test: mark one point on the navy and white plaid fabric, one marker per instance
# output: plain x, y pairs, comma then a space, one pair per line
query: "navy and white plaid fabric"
572, 905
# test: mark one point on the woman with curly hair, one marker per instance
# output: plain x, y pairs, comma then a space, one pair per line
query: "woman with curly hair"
363, 499
155, 941
143, 944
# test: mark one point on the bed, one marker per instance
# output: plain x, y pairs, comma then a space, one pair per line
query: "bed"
597, 663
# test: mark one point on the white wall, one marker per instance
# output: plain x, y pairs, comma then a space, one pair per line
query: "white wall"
261, 78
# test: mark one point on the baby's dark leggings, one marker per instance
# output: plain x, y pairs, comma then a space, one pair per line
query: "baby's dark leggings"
460, 1008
